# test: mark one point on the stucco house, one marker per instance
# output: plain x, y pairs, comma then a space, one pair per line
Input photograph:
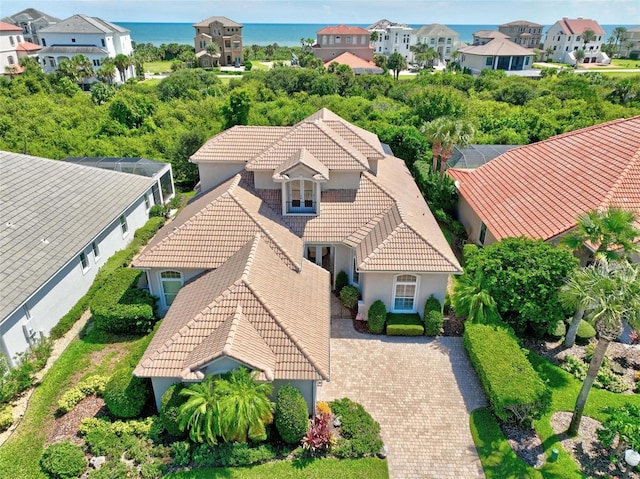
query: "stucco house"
441, 38
494, 51
539, 190
245, 271
564, 38
392, 38
31, 21
335, 40
522, 32
13, 47
357, 64
92, 37
226, 34
630, 45
62, 221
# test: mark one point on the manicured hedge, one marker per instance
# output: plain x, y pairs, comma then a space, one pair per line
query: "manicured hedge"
291, 414
126, 394
341, 281
514, 389
433, 321
359, 432
402, 324
585, 332
120, 307
349, 296
376, 317
432, 304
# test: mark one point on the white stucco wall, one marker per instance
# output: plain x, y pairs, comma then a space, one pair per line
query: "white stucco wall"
342, 260
212, 174
155, 286
60, 293
342, 180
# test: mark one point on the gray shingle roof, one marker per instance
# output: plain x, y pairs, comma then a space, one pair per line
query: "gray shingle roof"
74, 50
29, 14
65, 204
84, 24
435, 29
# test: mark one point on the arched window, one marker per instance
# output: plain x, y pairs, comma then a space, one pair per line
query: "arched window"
405, 289
171, 284
11, 41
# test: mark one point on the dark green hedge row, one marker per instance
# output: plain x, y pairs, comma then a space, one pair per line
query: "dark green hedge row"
514, 389
120, 307
403, 324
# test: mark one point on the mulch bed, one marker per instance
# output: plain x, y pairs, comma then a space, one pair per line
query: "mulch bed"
453, 326
65, 427
525, 443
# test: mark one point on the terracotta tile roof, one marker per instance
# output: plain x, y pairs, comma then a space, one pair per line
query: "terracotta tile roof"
7, 27
27, 47
214, 226
239, 143
538, 190
237, 311
355, 62
302, 157
572, 26
342, 30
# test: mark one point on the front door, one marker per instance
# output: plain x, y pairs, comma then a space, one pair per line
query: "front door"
322, 255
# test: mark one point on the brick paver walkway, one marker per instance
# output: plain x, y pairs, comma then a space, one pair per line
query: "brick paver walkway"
420, 390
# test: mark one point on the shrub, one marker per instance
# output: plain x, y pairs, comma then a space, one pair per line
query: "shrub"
341, 281
319, 438
432, 304
63, 460
126, 394
433, 320
323, 407
232, 454
157, 211
349, 296
181, 453
559, 331
358, 428
144, 234
169, 405
402, 324
606, 378
585, 332
13, 381
514, 389
120, 307
86, 387
6, 417
291, 415
377, 316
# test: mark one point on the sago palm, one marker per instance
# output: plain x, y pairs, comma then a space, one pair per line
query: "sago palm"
245, 408
200, 414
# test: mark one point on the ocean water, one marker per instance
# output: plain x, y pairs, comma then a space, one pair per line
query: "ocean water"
284, 34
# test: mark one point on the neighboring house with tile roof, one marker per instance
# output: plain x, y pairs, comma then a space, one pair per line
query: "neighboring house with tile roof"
10, 38
225, 33
282, 211
335, 40
540, 189
564, 38
439, 37
93, 37
61, 223
357, 64
494, 51
523, 33
31, 21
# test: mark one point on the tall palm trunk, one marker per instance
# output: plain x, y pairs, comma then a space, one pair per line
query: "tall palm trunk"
570, 338
592, 372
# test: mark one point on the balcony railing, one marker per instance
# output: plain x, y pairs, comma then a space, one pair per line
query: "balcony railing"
297, 206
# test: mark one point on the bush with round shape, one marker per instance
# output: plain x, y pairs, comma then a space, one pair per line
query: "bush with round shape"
585, 332
6, 417
433, 321
559, 331
125, 394
291, 414
341, 281
169, 406
377, 317
432, 304
63, 460
349, 296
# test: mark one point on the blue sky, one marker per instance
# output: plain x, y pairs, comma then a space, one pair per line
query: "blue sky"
492, 12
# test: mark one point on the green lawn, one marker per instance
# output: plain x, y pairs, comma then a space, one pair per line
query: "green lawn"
157, 67
498, 459
259, 65
369, 468
20, 455
625, 63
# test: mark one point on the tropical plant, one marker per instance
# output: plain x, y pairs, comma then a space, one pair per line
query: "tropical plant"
619, 33
612, 233
244, 406
396, 62
319, 437
549, 53
200, 413
107, 71
579, 56
616, 299
374, 37
445, 133
122, 62
471, 300
623, 425
587, 36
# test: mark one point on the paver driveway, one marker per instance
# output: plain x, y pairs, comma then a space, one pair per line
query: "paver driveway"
420, 390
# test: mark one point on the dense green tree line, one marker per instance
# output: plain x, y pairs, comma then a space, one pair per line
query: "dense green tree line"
49, 116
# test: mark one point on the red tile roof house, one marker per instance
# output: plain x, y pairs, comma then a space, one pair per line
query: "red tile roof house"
245, 271
540, 189
334, 41
564, 38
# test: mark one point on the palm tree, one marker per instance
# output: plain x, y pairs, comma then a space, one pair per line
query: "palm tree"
214, 52
244, 405
122, 62
107, 71
587, 36
579, 56
30, 65
83, 67
395, 63
472, 300
611, 232
549, 53
619, 33
200, 413
616, 299
445, 133
374, 37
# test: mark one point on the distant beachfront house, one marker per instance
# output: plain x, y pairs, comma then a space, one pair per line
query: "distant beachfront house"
441, 38
12, 48
334, 41
61, 223
357, 64
92, 37
226, 34
630, 46
523, 33
31, 21
494, 51
565, 37
392, 38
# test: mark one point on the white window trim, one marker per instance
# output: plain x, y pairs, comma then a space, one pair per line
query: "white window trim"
354, 271
95, 247
163, 296
86, 266
287, 199
415, 296
124, 226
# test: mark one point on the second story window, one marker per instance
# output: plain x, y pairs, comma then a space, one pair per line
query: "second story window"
301, 196
124, 226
